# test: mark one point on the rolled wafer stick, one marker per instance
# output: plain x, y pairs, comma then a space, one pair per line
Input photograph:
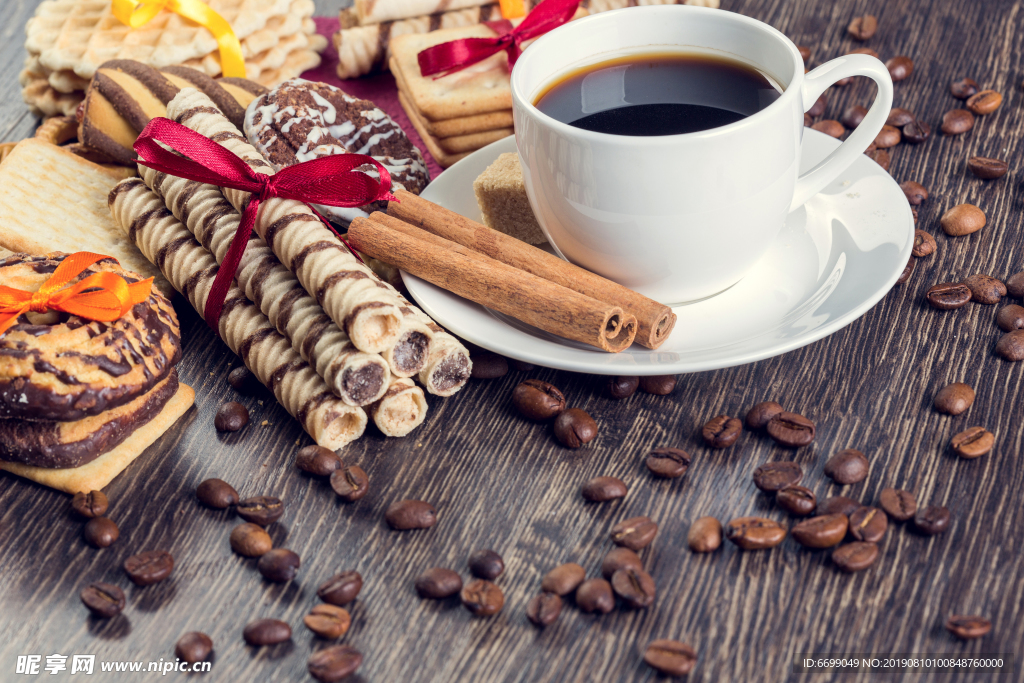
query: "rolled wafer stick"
655, 320
476, 277
402, 409
356, 377
162, 238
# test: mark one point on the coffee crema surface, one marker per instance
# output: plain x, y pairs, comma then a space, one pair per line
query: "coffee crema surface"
658, 94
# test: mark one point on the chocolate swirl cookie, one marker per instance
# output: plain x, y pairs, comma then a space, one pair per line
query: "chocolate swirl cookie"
298, 121
55, 366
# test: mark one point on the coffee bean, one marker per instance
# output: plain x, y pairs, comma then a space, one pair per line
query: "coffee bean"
659, 385
924, 244
488, 366
899, 117
595, 595
705, 535
947, 296
564, 579
889, 136
838, 505
932, 520
985, 289
670, 657
668, 463
634, 586
193, 647
847, 467
986, 168
100, 532
328, 621
900, 68
954, 399
619, 558
438, 583
231, 417
830, 127
574, 428
343, 588
898, 504
760, 415
317, 460
823, 531
957, 121
350, 483
623, 386
856, 556
915, 192
603, 489
864, 51
721, 431
250, 540
791, 430
805, 52
797, 500
1011, 346
773, 476
1010, 318
853, 115
818, 108
147, 568
278, 565
523, 366
89, 505
634, 533
971, 443
537, 400
543, 609
962, 88
916, 132
216, 494
266, 632
410, 514
1015, 285
482, 598
243, 381
868, 524
880, 157
262, 510
755, 533
968, 627
334, 663
808, 120
913, 212
486, 564
103, 599
863, 27
984, 102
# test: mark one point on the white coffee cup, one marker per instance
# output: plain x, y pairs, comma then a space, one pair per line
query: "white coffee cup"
677, 217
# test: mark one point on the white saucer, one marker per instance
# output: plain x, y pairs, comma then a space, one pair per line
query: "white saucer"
834, 259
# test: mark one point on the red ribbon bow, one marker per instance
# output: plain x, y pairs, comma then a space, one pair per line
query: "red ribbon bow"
456, 55
327, 180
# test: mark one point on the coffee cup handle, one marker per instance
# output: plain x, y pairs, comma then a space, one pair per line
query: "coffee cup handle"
815, 83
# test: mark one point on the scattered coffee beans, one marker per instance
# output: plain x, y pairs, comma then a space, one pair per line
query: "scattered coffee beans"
262, 510
523, 366
755, 533
486, 564
984, 102
231, 417
603, 489
973, 442
488, 366
659, 385
1011, 346
847, 467
987, 169
868, 524
915, 192
838, 505
760, 415
575, 427
278, 565
889, 136
100, 532
563, 579
823, 531
635, 587
947, 296
818, 108
537, 400
705, 535
410, 514
900, 67
962, 88
343, 588
595, 595
805, 52
103, 599
932, 520
328, 621
619, 558
985, 289
797, 500
670, 657
89, 505
622, 387
350, 482
954, 398
722, 431
908, 270
791, 430
830, 127
216, 494
317, 460
968, 627
898, 504
250, 540
899, 117
482, 598
1010, 318
266, 632
916, 132
880, 157
543, 609
853, 115
773, 476
1015, 285
924, 244
957, 121
243, 381
152, 566
856, 556
863, 27
808, 120
438, 583
634, 533
334, 663
668, 463
193, 647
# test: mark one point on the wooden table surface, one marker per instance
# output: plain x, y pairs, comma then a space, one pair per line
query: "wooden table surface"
501, 482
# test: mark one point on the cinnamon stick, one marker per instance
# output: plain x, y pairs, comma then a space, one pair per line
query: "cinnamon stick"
655, 320
490, 283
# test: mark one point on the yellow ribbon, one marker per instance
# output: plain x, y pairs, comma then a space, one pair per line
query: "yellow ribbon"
512, 9
135, 13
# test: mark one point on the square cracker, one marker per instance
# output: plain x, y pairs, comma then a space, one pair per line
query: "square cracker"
460, 125
457, 144
96, 474
443, 158
54, 200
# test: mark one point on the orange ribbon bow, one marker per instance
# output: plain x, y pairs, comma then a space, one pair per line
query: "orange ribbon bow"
111, 296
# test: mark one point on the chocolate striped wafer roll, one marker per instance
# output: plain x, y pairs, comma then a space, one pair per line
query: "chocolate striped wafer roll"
356, 377
402, 409
162, 239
